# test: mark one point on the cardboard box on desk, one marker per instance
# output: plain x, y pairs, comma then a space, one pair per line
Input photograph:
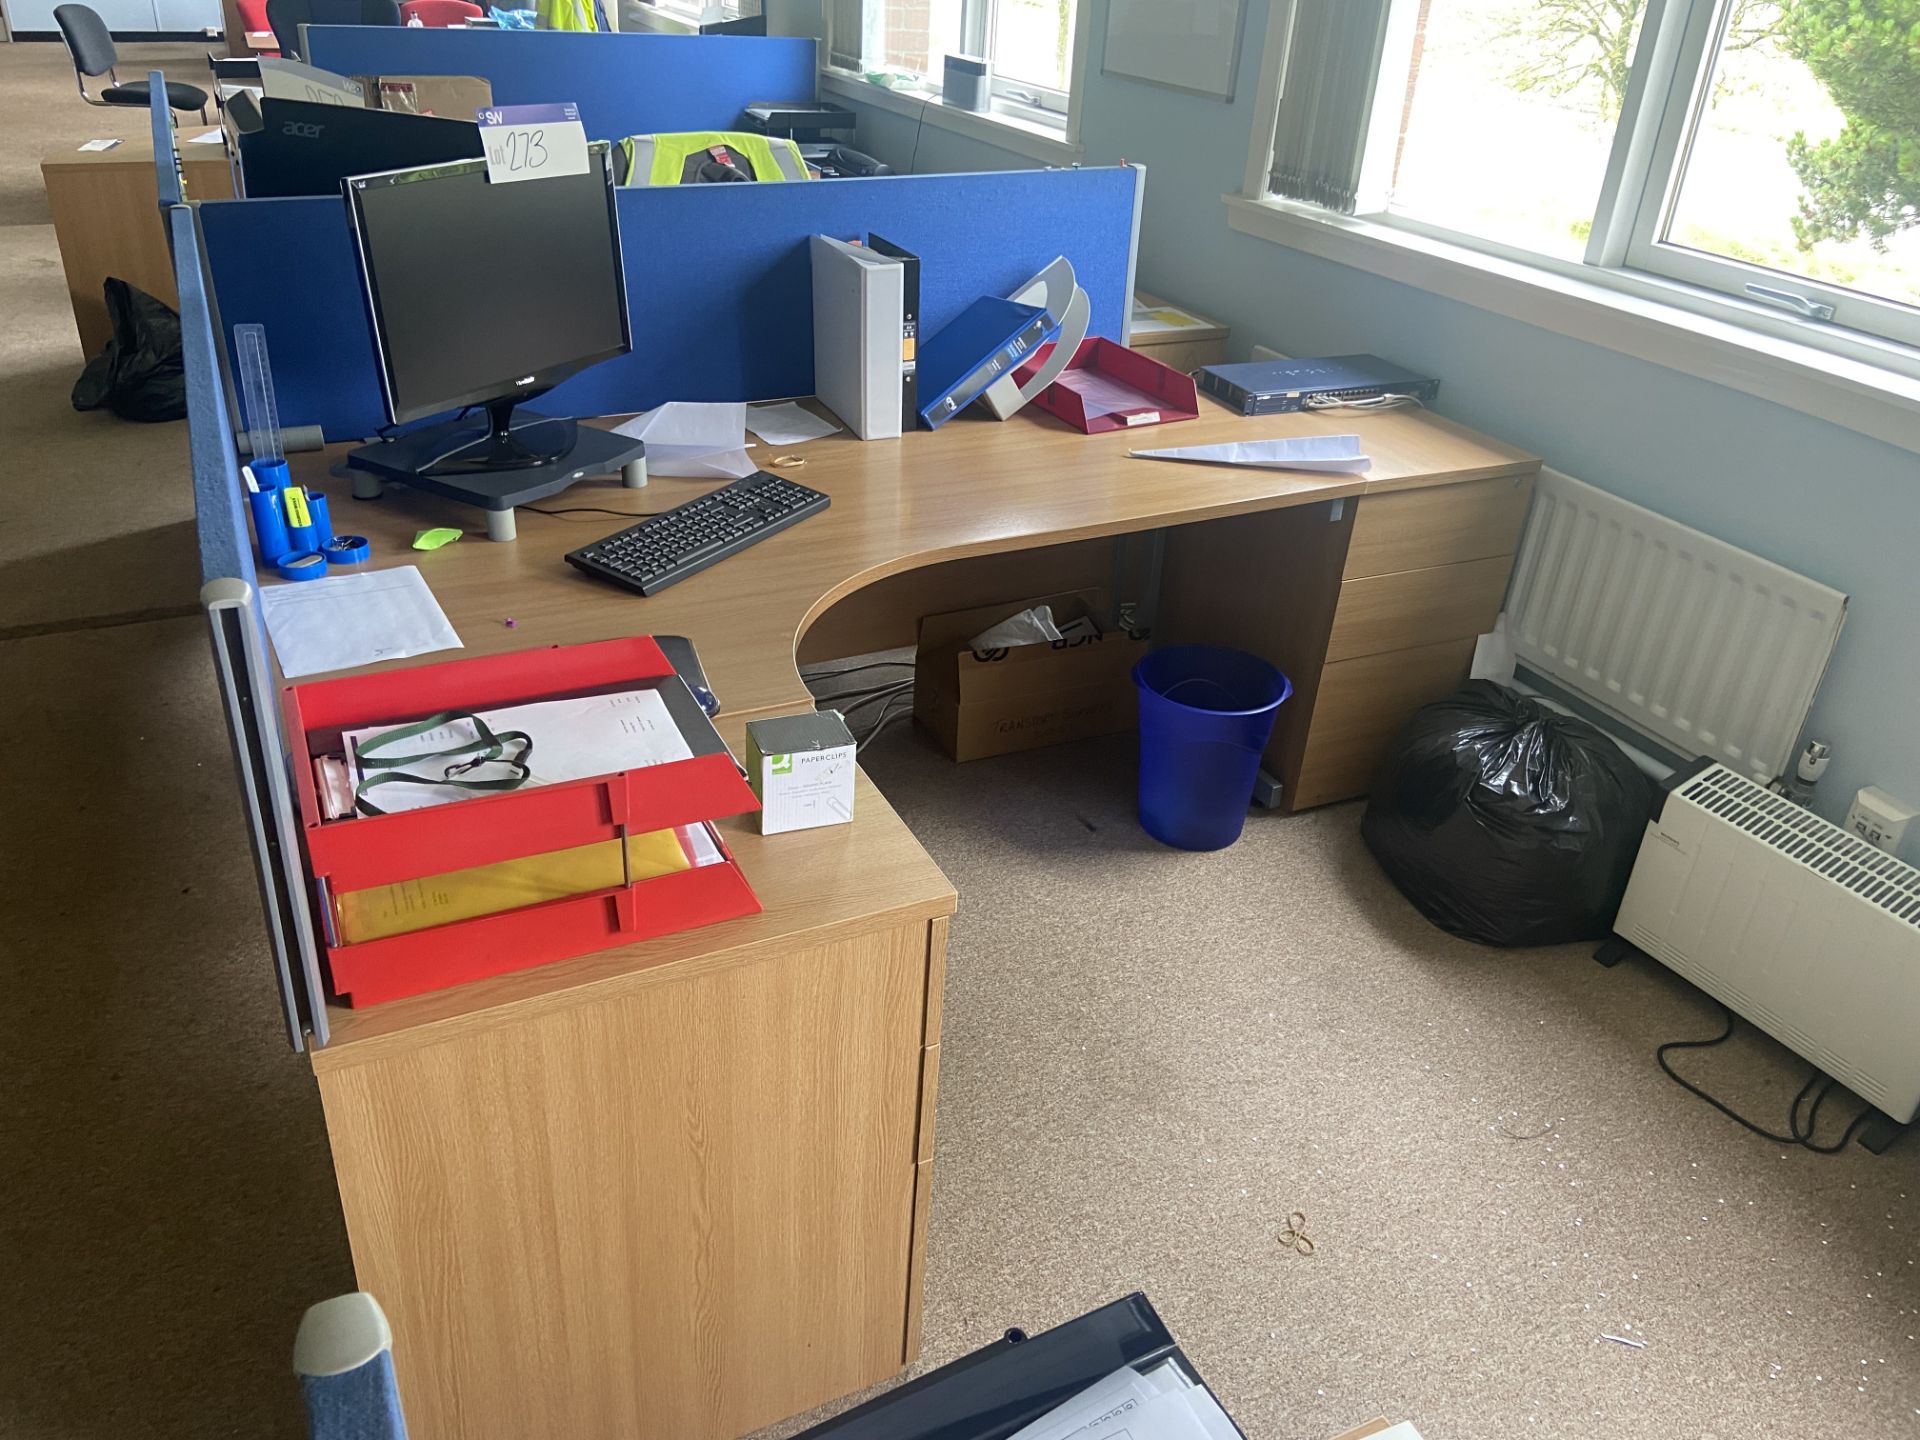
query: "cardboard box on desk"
1027, 696
452, 97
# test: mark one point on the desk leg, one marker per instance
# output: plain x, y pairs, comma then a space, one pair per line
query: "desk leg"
678, 1211
1268, 584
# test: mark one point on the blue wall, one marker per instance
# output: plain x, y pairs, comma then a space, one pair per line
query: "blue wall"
1817, 498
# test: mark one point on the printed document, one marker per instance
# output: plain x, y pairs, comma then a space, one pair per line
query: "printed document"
572, 739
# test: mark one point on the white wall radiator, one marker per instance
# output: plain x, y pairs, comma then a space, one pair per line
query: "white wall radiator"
1693, 642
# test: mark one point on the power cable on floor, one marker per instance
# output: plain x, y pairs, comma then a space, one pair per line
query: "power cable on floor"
1800, 1133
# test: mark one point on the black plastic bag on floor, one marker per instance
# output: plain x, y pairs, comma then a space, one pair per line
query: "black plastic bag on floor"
1507, 822
139, 374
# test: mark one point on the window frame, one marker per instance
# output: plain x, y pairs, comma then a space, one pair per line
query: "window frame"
1668, 85
1022, 97
1688, 88
1023, 102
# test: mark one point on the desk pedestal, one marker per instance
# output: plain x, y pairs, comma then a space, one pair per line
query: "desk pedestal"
680, 1211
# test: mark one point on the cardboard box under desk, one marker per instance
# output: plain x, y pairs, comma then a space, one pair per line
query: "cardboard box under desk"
452, 97
1027, 696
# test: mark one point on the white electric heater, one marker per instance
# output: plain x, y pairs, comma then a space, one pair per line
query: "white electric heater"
1808, 932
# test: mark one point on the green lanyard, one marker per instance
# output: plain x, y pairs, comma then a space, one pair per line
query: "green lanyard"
486, 748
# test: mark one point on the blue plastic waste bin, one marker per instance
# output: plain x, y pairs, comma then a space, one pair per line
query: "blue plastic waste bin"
1206, 713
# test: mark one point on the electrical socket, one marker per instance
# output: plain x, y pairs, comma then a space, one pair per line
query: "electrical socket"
1879, 819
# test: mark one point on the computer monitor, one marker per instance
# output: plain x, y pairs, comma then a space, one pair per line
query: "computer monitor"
303, 147
487, 295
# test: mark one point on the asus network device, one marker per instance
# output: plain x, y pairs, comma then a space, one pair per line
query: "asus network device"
1279, 387
483, 297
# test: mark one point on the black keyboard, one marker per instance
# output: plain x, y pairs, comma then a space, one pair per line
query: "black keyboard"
665, 549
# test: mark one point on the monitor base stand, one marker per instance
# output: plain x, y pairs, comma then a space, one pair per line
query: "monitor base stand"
419, 459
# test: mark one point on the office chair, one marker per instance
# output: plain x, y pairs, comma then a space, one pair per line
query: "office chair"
343, 1355
285, 17
90, 44
439, 14
253, 19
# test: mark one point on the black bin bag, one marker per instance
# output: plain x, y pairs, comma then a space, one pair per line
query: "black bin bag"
140, 373
1507, 822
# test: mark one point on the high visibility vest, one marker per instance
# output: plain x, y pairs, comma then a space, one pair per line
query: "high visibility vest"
676, 159
564, 15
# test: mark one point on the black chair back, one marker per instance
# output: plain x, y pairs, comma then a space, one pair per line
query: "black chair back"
89, 41
284, 18
287, 16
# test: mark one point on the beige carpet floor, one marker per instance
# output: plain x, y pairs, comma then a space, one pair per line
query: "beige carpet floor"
1150, 1059
96, 513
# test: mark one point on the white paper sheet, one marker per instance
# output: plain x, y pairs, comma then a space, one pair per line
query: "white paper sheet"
693, 425
211, 137
714, 465
787, 423
572, 739
348, 620
700, 845
1119, 1393
1338, 454
1164, 1417
694, 439
1162, 1404
1105, 395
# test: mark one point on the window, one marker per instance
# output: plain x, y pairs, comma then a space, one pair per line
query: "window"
1757, 150
681, 16
1028, 43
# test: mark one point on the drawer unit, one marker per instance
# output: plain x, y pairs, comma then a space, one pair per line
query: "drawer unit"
1440, 525
1370, 605
1417, 607
1361, 706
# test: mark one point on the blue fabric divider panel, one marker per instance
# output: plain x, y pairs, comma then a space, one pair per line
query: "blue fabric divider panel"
220, 516
624, 84
160, 122
719, 283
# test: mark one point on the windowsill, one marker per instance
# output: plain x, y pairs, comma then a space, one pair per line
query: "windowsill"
1032, 138
1639, 321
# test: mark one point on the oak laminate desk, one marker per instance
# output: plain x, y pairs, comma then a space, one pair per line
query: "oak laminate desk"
106, 221
679, 1190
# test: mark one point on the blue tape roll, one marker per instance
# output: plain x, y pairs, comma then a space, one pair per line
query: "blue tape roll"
347, 550
301, 565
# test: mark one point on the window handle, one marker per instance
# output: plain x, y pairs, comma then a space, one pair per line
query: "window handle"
1791, 300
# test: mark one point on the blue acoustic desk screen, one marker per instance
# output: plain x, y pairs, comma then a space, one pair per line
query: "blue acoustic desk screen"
719, 284
166, 164
624, 84
229, 594
220, 514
